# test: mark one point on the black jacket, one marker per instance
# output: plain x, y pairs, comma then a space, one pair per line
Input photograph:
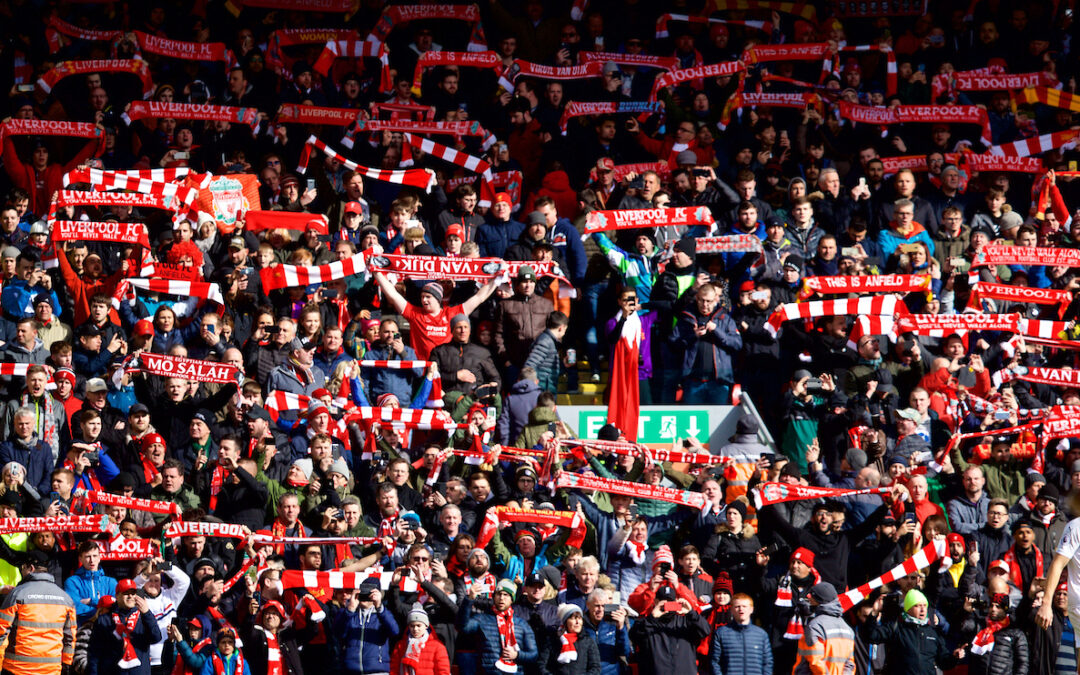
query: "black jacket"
255, 651
912, 649
1008, 657
586, 663
668, 644
454, 356
243, 503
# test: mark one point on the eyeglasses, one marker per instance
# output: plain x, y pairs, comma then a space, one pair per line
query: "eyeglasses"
417, 558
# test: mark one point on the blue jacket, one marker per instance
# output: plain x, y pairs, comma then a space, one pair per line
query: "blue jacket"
516, 408
494, 238
737, 265
708, 356
613, 643
84, 584
606, 525
741, 650
106, 650
35, 456
328, 363
889, 240
485, 626
390, 380
228, 663
567, 242
637, 271
105, 471
364, 638
18, 299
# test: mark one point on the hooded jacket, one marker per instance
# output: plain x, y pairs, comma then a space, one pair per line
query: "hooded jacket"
87, 585
889, 240
364, 637
516, 408
828, 644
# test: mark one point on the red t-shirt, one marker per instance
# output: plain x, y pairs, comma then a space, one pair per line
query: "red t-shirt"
426, 332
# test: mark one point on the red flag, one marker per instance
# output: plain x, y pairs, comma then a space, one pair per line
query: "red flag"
624, 402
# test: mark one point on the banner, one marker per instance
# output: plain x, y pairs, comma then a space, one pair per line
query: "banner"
876, 283
606, 221
136, 67
56, 524
766, 494
994, 254
225, 198
201, 529
89, 230
139, 110
167, 365
636, 490
257, 221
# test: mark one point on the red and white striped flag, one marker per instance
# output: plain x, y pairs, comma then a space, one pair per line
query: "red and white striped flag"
138, 180
462, 159
1038, 145
922, 559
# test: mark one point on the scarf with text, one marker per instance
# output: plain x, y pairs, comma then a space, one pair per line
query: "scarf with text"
93, 524
942, 325
296, 113
188, 51
418, 178
587, 108
258, 221
201, 529
812, 51
459, 269
23, 127
124, 549
397, 15
500, 514
665, 19
55, 27
202, 112
522, 68
905, 114
619, 58
766, 494
878, 283
135, 503
1019, 294
167, 196
994, 254
607, 221
89, 230
729, 243
287, 276
471, 59
644, 451
65, 69
1052, 376
725, 69
410, 110
123, 629
922, 559
636, 490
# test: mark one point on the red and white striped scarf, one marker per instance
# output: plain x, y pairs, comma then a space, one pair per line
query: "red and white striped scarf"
431, 419
1038, 144
352, 48
886, 305
922, 559
274, 666
878, 283
1015, 577
435, 399
336, 579
287, 276
138, 180
984, 641
786, 598
418, 178
665, 19
462, 159
567, 648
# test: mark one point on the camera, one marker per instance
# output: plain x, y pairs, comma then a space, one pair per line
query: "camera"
329, 293
636, 184
665, 568
814, 386
365, 595
94, 457
700, 173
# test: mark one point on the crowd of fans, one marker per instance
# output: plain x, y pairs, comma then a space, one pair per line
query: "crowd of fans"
416, 515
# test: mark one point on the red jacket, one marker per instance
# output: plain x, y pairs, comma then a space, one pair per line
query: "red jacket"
644, 597
24, 176
433, 658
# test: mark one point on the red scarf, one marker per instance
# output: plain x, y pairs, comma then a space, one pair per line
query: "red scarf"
1015, 578
785, 598
410, 662
180, 668
150, 472
505, 621
95, 484
567, 650
984, 641
342, 552
278, 529
223, 624
122, 630
386, 529
273, 654
487, 579
219, 664
217, 481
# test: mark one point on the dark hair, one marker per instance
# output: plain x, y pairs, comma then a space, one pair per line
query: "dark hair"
557, 319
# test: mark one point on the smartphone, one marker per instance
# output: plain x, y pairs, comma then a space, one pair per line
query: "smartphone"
311, 183
329, 293
1072, 165
25, 88
490, 412
211, 329
849, 251
910, 248
633, 511
1001, 415
672, 606
759, 295
271, 330
909, 516
182, 155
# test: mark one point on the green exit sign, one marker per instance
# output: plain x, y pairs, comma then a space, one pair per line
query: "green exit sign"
655, 426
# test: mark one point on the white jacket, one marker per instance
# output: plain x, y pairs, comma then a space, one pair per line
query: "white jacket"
164, 606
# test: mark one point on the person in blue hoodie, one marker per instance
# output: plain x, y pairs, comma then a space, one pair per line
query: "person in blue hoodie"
88, 584
227, 657
566, 239
500, 230
364, 631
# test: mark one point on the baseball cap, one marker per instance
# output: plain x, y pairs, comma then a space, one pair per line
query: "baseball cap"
909, 414
138, 409
354, 207
534, 579
237, 242
301, 344
125, 586
257, 412
605, 164
96, 384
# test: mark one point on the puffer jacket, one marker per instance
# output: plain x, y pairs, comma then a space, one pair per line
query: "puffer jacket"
734, 553
1008, 657
544, 358
586, 663
433, 657
828, 644
486, 628
390, 380
612, 642
518, 321
739, 649
365, 637
37, 622
803, 241
667, 644
87, 585
494, 237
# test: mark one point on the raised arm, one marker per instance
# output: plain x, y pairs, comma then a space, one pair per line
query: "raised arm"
470, 305
390, 292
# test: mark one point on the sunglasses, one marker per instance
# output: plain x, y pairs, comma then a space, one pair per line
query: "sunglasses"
419, 559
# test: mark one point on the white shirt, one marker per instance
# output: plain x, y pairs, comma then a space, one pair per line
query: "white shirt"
1069, 546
